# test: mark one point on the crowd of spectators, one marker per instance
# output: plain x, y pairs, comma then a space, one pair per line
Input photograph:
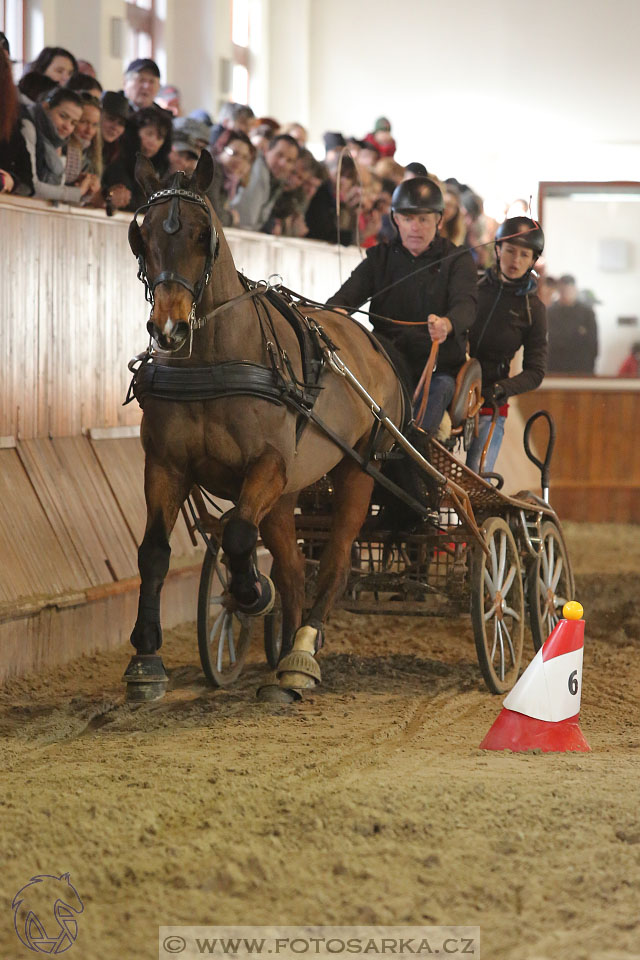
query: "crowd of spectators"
64, 138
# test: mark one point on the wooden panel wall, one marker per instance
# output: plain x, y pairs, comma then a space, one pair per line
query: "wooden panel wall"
595, 472
73, 312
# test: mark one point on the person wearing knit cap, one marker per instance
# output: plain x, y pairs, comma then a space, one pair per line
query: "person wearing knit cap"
381, 138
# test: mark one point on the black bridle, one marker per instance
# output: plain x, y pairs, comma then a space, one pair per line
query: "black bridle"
174, 194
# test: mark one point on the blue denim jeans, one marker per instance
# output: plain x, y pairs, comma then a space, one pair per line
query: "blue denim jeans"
475, 450
441, 391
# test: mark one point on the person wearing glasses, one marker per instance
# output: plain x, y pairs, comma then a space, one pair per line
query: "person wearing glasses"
233, 157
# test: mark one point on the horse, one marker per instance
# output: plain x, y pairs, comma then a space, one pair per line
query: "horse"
247, 448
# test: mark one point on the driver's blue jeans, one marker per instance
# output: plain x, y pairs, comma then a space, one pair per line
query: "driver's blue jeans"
441, 390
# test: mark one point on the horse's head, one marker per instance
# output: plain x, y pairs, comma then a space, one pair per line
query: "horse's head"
176, 246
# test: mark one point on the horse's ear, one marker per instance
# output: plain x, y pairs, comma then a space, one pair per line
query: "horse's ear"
146, 175
203, 173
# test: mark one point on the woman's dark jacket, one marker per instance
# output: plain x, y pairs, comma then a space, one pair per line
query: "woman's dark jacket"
123, 169
15, 159
445, 284
509, 316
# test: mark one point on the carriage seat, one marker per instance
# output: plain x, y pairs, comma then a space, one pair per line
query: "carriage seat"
462, 414
467, 398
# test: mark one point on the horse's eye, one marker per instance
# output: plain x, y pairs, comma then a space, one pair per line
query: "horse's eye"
204, 237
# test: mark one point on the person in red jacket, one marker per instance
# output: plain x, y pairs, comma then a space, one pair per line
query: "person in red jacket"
381, 138
631, 366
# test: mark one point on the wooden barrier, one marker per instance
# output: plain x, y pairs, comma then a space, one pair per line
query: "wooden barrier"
71, 467
595, 472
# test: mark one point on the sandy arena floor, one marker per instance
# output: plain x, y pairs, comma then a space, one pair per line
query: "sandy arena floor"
367, 803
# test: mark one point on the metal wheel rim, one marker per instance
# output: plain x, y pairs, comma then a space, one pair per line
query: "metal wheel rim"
228, 632
501, 596
553, 572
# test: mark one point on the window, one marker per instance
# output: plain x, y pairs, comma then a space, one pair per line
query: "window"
240, 35
141, 23
12, 24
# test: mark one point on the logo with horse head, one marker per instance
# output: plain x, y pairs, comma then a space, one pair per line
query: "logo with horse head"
44, 914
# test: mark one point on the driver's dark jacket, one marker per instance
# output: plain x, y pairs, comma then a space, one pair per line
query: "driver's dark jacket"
447, 287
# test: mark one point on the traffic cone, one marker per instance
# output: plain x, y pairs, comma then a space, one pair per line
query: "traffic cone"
543, 709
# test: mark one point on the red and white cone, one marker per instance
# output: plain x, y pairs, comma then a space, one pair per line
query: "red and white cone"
543, 709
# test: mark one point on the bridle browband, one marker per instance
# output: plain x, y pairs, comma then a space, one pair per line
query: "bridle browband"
174, 194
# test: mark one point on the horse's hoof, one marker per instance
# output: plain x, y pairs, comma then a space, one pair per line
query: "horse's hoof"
299, 670
146, 679
264, 604
273, 693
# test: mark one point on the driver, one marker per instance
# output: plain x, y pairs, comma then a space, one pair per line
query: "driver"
510, 316
432, 280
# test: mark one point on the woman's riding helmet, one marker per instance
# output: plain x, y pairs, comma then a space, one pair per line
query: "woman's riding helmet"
523, 232
419, 195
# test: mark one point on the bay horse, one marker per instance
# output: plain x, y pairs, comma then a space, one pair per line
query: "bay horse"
242, 447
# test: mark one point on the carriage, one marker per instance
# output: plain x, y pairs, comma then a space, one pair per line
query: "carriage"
228, 407
502, 559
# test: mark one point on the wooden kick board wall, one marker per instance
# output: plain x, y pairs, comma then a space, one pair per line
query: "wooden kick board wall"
72, 515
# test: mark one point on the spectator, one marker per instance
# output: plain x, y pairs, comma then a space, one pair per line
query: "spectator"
333, 144
298, 132
141, 83
288, 217
254, 202
388, 169
415, 169
189, 139
82, 82
15, 165
452, 225
547, 289
87, 69
233, 157
368, 155
149, 133
321, 218
631, 366
84, 150
202, 117
232, 116
46, 129
34, 86
573, 332
56, 63
116, 112
261, 136
169, 99
381, 138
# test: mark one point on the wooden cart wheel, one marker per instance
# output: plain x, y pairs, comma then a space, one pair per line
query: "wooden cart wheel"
273, 634
497, 606
224, 634
549, 584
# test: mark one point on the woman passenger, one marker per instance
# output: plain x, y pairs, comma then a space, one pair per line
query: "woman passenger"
510, 315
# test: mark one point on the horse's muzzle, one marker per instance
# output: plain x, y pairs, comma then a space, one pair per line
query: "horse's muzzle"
169, 341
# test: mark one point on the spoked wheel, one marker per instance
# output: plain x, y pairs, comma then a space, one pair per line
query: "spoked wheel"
224, 634
497, 606
549, 584
273, 634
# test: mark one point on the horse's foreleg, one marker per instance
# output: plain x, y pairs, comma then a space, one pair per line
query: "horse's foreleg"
278, 531
145, 676
353, 489
261, 489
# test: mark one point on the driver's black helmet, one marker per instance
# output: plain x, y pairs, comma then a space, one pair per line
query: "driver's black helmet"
523, 232
418, 195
